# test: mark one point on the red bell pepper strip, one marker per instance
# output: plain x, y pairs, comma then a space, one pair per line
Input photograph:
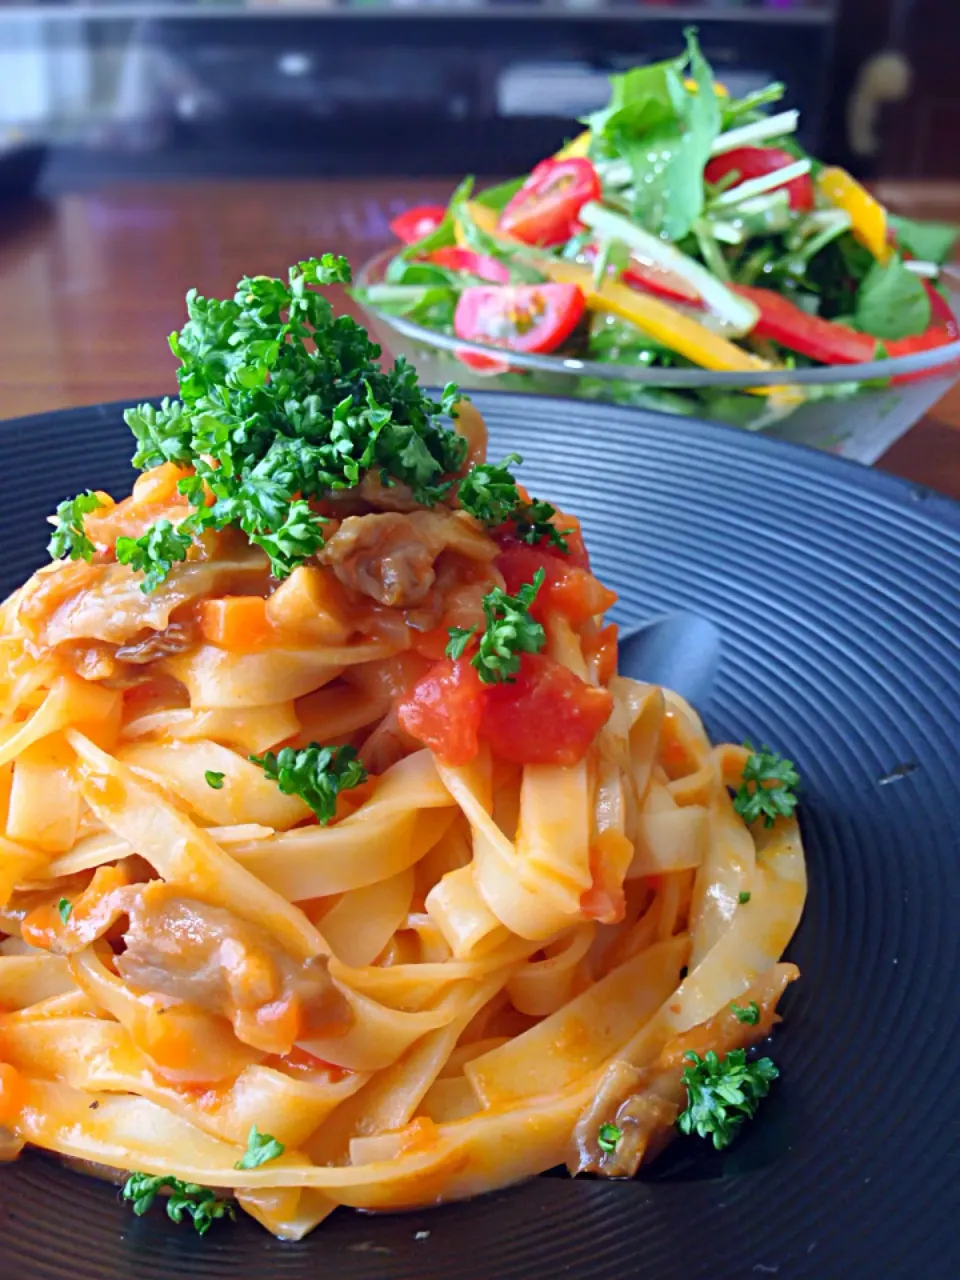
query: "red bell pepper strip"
784, 322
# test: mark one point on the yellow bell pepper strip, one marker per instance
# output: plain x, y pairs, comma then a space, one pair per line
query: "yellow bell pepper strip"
577, 146
662, 322
486, 219
869, 217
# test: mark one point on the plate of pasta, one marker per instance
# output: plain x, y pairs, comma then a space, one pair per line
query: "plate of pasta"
388, 829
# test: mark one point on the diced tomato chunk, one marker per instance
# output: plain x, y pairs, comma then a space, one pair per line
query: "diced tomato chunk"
567, 588
547, 716
576, 552
443, 710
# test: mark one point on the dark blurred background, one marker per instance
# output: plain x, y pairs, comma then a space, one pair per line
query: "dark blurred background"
357, 88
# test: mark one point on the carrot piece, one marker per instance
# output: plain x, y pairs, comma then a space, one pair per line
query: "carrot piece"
239, 623
159, 484
12, 1094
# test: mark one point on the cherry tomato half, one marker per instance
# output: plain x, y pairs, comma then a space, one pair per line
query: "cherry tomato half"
454, 258
544, 211
754, 162
418, 222
520, 317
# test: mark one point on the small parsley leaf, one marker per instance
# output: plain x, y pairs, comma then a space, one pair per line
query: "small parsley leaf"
767, 788
200, 1204
154, 553
64, 907
69, 537
460, 637
608, 1137
744, 896
722, 1093
214, 779
510, 631
533, 525
490, 494
261, 1149
748, 1014
316, 774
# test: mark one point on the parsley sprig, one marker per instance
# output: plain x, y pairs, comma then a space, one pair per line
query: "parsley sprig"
261, 1149
509, 632
155, 552
723, 1093
316, 774
490, 493
280, 403
767, 787
69, 537
200, 1204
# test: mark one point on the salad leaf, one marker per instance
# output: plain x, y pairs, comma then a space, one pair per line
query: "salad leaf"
735, 111
443, 235
645, 94
665, 133
480, 241
928, 241
499, 197
429, 305
892, 302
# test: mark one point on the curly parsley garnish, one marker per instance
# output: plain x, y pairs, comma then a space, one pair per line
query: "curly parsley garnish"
767, 788
280, 403
69, 537
214, 778
316, 774
509, 632
261, 1149
490, 494
723, 1093
200, 1204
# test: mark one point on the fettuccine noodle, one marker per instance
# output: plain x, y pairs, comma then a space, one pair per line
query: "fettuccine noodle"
441, 991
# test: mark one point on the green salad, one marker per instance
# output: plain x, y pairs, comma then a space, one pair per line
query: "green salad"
683, 228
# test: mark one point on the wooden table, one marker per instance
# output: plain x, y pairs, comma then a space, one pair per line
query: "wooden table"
91, 285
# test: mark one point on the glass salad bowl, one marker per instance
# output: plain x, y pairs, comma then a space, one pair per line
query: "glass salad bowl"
854, 410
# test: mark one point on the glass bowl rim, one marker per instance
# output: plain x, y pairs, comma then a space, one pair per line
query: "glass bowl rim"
945, 359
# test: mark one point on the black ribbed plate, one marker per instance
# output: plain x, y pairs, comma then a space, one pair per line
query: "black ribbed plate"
836, 592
